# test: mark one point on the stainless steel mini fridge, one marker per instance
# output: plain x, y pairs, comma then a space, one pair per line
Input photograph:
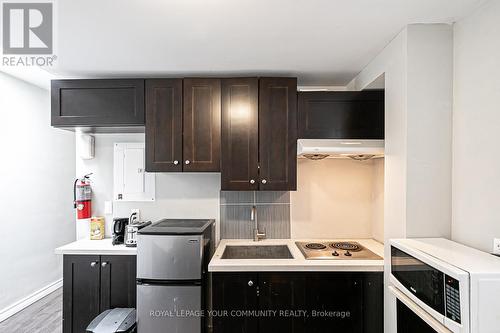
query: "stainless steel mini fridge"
172, 278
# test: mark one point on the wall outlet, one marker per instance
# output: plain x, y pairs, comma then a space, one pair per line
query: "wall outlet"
496, 245
137, 216
108, 207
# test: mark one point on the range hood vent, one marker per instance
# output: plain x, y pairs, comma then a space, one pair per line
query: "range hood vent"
318, 149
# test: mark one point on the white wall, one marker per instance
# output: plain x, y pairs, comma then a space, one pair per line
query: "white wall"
335, 199
391, 63
37, 168
429, 103
377, 226
418, 121
178, 195
476, 126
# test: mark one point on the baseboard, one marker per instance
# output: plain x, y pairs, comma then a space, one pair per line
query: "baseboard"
30, 299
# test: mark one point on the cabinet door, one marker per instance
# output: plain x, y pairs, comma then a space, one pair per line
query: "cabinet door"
235, 292
202, 121
97, 103
373, 302
341, 115
278, 134
118, 282
334, 302
164, 125
282, 292
81, 280
239, 151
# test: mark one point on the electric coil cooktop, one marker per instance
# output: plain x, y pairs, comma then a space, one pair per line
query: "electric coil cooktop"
336, 250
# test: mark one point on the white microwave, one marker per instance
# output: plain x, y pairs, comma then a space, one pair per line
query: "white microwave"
443, 286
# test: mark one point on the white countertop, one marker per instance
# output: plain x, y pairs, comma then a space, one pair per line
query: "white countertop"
96, 247
298, 263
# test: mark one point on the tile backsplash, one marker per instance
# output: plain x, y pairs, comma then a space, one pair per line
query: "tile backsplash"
273, 214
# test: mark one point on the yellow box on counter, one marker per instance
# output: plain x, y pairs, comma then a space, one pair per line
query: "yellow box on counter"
97, 227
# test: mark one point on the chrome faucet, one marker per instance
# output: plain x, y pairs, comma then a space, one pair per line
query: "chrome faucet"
257, 235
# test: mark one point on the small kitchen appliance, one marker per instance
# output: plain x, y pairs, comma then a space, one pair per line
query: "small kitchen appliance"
119, 227
336, 250
172, 275
131, 232
442, 286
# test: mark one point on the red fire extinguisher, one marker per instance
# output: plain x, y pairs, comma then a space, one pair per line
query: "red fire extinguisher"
82, 197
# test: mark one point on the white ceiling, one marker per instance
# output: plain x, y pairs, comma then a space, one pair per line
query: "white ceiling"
323, 42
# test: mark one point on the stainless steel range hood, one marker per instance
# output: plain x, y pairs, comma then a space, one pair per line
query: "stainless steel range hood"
317, 149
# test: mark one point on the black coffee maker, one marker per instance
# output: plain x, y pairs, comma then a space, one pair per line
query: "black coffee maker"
119, 228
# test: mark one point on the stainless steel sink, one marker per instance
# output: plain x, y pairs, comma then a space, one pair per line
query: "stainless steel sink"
257, 252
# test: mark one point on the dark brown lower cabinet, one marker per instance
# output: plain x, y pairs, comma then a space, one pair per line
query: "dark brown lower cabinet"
334, 301
373, 301
118, 281
309, 302
233, 294
92, 284
81, 291
283, 294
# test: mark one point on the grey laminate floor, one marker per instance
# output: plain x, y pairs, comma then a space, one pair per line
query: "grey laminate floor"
44, 316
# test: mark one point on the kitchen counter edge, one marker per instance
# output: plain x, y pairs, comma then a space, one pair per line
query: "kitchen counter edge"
95, 247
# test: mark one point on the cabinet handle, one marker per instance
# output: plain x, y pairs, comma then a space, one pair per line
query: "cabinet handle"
250, 283
263, 181
104, 264
176, 162
93, 263
252, 181
187, 162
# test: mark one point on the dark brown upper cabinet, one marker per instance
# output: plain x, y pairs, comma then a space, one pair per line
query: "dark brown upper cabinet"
278, 134
183, 119
115, 105
202, 122
341, 115
259, 135
164, 125
240, 134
